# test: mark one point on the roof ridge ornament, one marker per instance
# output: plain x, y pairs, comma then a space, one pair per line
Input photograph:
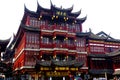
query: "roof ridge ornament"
25, 7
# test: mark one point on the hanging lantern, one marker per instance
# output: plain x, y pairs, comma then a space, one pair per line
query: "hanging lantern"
75, 40
75, 21
39, 18
41, 37
56, 16
52, 18
54, 37
67, 18
41, 56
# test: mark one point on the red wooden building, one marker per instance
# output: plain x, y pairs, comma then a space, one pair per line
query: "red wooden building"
3, 67
50, 45
115, 57
99, 48
47, 47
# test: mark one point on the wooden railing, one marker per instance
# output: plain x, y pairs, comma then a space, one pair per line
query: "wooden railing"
46, 27
60, 45
57, 27
71, 46
46, 45
71, 30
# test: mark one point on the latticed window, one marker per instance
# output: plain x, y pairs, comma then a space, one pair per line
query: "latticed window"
96, 49
34, 22
32, 40
30, 60
59, 39
77, 27
46, 39
80, 42
70, 41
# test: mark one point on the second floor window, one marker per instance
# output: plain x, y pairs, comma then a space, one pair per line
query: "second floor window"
70, 41
36, 23
32, 40
46, 40
80, 42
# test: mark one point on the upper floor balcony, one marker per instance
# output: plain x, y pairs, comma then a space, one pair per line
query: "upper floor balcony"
60, 45
71, 30
71, 46
46, 27
57, 42
46, 45
58, 28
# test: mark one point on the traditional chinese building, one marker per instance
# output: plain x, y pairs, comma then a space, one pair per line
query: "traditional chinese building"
3, 67
8, 58
50, 45
99, 47
47, 46
3, 45
115, 57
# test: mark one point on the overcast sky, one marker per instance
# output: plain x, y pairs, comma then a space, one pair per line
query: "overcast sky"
102, 15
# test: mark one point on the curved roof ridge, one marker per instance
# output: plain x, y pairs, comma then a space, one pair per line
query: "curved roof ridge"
5, 40
107, 35
75, 14
62, 9
26, 10
78, 12
39, 7
81, 20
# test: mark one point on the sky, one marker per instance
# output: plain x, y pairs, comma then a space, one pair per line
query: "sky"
102, 15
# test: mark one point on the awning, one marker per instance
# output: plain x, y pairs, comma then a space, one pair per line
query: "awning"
67, 63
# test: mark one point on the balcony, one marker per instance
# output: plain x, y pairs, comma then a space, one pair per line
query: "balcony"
60, 45
46, 27
59, 27
71, 46
71, 30
46, 45
46, 30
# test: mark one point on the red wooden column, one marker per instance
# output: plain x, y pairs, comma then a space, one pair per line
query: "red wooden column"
54, 37
54, 55
25, 39
80, 27
88, 48
28, 21
75, 40
40, 43
85, 48
40, 55
24, 57
91, 63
